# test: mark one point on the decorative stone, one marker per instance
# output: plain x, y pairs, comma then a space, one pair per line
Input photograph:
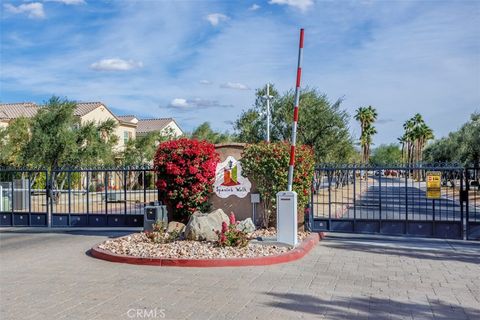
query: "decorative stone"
246, 225
202, 227
138, 245
175, 226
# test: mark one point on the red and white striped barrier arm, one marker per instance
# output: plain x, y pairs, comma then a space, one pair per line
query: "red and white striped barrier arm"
295, 113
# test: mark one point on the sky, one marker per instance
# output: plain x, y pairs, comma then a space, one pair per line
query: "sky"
201, 61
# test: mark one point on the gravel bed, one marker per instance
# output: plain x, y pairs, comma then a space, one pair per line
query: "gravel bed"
272, 232
138, 245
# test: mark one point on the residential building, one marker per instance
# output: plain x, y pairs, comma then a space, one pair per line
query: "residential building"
11, 111
128, 126
98, 112
163, 125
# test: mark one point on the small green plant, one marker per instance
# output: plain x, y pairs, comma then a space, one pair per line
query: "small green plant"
159, 233
159, 226
230, 236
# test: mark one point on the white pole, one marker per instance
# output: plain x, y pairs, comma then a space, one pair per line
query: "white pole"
268, 112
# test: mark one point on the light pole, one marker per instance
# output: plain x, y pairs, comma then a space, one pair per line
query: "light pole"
268, 97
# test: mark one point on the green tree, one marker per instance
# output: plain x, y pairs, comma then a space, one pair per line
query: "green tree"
459, 146
59, 139
12, 142
386, 154
322, 125
366, 116
141, 150
205, 132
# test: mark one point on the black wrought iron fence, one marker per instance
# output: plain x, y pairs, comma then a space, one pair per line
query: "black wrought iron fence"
90, 197
23, 197
393, 200
471, 197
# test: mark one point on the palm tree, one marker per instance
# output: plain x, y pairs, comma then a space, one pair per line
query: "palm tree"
366, 116
403, 141
416, 136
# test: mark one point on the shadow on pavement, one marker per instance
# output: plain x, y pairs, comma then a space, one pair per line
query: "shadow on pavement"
370, 308
439, 250
111, 233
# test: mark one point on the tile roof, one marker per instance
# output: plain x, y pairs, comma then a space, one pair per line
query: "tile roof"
149, 125
86, 107
127, 118
16, 110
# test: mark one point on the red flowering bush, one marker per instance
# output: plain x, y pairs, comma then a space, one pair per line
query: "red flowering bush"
267, 165
230, 236
186, 171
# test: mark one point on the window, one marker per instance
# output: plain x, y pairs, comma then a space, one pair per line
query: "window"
126, 136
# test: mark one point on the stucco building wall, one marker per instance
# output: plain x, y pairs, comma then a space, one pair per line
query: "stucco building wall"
102, 114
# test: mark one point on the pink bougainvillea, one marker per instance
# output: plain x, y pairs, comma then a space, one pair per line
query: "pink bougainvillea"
186, 173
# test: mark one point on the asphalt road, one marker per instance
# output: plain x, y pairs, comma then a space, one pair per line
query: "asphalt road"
395, 198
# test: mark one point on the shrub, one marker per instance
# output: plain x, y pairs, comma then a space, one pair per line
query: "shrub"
230, 236
267, 165
186, 170
159, 233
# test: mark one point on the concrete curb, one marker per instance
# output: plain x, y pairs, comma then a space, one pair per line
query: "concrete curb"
299, 252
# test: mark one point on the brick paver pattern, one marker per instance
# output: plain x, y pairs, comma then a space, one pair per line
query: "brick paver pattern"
51, 276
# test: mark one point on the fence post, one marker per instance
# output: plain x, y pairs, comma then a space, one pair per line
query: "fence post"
354, 198
125, 190
105, 182
329, 179
406, 202
69, 193
88, 193
467, 203
463, 224
12, 207
48, 192
29, 199
379, 201
310, 211
144, 188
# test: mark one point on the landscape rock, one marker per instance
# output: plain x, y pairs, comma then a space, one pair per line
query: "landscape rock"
202, 226
175, 226
246, 225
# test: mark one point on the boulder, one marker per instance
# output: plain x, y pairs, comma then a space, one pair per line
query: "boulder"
202, 226
246, 225
175, 226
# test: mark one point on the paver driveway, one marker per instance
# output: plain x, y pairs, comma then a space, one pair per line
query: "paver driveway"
50, 276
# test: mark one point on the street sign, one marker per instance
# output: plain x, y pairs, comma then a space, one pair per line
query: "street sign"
434, 184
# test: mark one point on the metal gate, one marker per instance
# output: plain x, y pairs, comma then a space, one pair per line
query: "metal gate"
23, 197
392, 201
76, 197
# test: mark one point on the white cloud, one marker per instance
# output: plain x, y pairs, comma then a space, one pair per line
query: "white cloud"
34, 10
235, 85
179, 103
205, 82
68, 2
197, 103
115, 64
254, 7
216, 18
303, 5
